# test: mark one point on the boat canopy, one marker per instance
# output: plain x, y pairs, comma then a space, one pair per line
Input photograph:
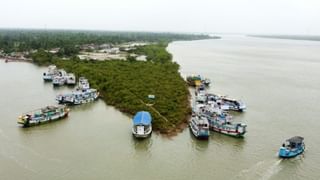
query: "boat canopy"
295, 139
143, 118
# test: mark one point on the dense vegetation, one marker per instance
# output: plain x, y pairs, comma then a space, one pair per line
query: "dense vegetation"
126, 85
26, 40
123, 84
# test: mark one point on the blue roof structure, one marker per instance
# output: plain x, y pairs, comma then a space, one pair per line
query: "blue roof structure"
142, 117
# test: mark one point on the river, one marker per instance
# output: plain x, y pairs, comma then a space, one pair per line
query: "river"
277, 79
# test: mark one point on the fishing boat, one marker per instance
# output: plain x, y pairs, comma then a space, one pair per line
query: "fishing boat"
70, 79
83, 83
199, 126
78, 97
194, 80
142, 126
292, 147
222, 123
42, 115
52, 71
60, 78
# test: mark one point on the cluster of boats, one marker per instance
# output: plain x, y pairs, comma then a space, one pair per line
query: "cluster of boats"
210, 112
59, 77
82, 94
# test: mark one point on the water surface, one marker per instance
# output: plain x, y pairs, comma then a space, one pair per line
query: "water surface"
277, 79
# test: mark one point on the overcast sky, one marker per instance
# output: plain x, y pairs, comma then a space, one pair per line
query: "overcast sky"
217, 16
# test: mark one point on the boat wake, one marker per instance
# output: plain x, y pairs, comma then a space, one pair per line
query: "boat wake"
262, 170
272, 170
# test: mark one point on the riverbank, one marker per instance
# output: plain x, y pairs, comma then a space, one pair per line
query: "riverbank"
127, 84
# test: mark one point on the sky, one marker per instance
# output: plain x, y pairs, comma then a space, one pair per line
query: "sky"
215, 16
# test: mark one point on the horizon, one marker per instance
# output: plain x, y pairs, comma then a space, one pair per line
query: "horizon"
136, 31
286, 17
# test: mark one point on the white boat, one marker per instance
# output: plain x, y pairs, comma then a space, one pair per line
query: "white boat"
226, 103
222, 123
48, 76
71, 79
78, 97
199, 126
83, 83
58, 81
142, 126
60, 78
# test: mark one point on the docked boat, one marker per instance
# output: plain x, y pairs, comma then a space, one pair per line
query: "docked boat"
71, 79
42, 115
226, 103
142, 126
292, 147
206, 81
52, 71
78, 97
222, 123
60, 78
194, 80
83, 83
199, 126
200, 90
233, 104
58, 81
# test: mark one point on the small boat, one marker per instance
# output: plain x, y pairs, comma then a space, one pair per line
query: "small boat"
222, 123
199, 126
142, 126
292, 147
52, 71
206, 81
83, 83
71, 79
42, 115
78, 97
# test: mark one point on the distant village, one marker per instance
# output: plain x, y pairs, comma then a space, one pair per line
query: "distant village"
89, 52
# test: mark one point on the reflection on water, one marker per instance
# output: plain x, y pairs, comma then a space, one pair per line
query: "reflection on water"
142, 144
198, 144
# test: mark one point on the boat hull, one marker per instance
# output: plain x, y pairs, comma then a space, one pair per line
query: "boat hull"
285, 153
199, 134
34, 122
228, 132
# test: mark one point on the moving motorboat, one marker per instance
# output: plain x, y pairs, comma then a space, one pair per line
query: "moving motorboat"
292, 147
